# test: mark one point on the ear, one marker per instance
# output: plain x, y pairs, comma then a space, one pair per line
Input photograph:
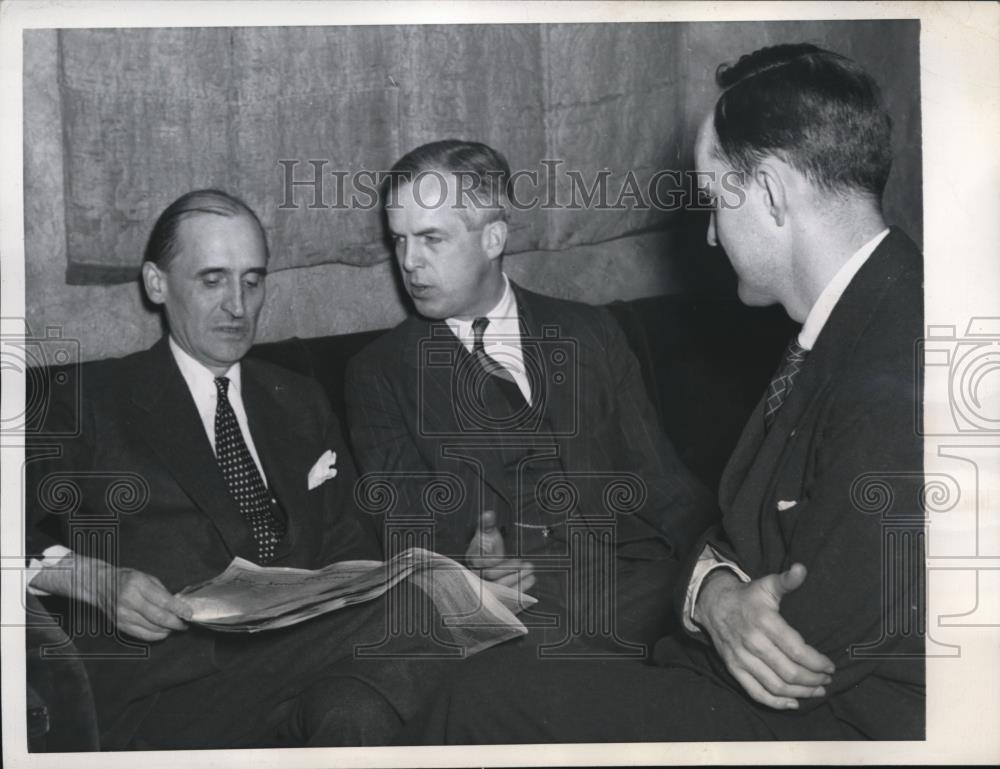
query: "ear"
155, 283
774, 190
494, 239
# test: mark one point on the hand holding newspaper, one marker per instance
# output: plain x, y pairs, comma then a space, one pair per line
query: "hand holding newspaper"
251, 598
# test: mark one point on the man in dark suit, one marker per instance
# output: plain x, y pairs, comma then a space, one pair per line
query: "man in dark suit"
187, 456
516, 426
804, 608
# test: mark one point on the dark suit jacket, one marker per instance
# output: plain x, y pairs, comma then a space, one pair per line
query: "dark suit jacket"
810, 490
141, 478
409, 426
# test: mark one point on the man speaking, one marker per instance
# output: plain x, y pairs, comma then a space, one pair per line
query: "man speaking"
531, 408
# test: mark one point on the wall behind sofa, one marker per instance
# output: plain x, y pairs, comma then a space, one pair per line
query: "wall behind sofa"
111, 320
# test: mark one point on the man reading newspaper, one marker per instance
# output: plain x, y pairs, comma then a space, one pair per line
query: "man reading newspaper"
187, 457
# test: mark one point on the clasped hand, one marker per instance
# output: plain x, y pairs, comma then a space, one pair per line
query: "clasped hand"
486, 552
768, 657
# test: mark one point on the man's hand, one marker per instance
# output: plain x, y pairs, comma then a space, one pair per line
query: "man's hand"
138, 602
764, 653
486, 553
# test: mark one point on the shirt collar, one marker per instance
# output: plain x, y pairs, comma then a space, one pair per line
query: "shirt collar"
201, 381
828, 298
503, 318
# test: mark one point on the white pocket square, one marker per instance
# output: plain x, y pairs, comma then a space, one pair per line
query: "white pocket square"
785, 504
323, 470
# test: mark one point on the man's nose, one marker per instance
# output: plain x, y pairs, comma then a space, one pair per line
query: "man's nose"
710, 236
409, 254
235, 301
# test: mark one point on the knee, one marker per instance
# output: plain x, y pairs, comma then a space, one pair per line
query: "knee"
344, 712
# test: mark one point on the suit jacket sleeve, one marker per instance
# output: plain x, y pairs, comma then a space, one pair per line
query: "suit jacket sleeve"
860, 494
383, 444
714, 537
862, 530
47, 458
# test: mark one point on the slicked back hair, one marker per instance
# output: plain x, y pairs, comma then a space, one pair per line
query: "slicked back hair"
483, 175
815, 109
162, 245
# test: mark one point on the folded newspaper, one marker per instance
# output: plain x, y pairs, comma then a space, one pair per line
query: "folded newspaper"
251, 598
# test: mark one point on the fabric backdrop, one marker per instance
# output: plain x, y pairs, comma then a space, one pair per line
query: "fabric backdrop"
149, 114
152, 113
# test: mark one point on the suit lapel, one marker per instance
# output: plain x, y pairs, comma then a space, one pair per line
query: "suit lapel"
757, 460
285, 459
169, 422
742, 458
556, 413
432, 352
432, 355
840, 334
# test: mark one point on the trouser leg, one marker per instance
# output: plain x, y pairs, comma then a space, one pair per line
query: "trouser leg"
276, 683
584, 605
577, 701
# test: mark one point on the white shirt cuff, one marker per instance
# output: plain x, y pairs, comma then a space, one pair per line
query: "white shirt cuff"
708, 561
50, 557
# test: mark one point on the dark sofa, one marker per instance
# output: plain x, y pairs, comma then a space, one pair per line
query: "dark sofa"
705, 361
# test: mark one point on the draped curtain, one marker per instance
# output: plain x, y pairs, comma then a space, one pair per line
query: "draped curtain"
149, 114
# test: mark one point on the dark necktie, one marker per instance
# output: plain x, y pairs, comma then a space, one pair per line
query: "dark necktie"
242, 477
501, 376
781, 384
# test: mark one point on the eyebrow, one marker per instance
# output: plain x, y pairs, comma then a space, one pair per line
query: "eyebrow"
212, 270
419, 233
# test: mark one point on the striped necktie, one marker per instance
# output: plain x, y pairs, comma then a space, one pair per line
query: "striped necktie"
501, 376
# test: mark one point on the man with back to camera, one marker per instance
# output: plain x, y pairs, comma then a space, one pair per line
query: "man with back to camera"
224, 457
803, 609
530, 409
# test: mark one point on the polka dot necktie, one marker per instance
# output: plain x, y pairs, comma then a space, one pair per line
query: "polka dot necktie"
503, 378
781, 384
242, 477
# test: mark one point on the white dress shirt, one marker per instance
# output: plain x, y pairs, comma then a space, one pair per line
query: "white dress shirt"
830, 295
709, 560
502, 338
201, 384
